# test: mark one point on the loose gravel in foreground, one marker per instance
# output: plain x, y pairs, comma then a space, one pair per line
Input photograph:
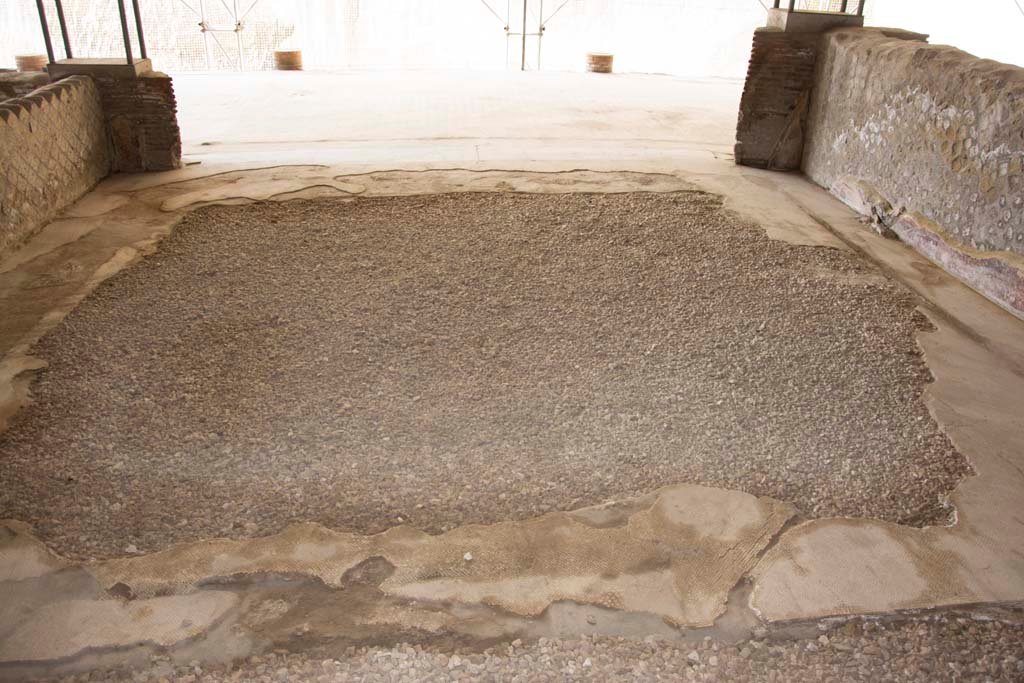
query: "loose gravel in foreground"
447, 359
934, 648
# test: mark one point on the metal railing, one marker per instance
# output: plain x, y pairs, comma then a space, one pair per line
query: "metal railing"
835, 7
67, 39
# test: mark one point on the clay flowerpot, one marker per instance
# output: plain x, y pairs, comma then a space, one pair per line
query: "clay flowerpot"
599, 62
30, 62
288, 60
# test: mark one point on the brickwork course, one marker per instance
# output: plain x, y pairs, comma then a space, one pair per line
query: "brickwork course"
776, 98
141, 114
53, 149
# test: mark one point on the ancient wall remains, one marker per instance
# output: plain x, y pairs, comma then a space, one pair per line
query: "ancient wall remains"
53, 149
141, 113
929, 140
18, 84
932, 128
776, 98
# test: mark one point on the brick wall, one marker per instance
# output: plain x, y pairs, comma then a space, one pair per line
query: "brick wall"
776, 99
53, 149
142, 117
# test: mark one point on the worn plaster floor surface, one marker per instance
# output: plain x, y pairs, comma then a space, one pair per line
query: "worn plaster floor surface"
682, 557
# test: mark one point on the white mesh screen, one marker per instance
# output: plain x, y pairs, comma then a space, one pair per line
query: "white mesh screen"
709, 38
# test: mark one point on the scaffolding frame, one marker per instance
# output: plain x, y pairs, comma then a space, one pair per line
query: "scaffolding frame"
44, 24
210, 31
524, 34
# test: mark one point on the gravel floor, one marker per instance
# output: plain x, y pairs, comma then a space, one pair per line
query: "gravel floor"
447, 359
935, 648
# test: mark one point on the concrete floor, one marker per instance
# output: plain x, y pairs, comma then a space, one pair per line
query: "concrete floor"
669, 564
457, 116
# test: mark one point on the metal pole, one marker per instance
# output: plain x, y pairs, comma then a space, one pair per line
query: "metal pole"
46, 30
238, 37
777, 4
206, 37
792, 5
522, 66
63, 29
540, 31
124, 32
842, 8
138, 28
860, 8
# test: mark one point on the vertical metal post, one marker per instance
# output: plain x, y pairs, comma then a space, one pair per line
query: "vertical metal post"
792, 5
842, 7
238, 37
777, 4
63, 29
206, 36
138, 28
522, 66
540, 31
46, 30
860, 8
124, 32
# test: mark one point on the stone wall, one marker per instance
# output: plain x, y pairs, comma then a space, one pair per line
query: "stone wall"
933, 129
141, 114
53, 149
934, 139
18, 84
776, 99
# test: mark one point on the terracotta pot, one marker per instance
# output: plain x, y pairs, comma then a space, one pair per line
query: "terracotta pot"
599, 62
288, 60
30, 62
